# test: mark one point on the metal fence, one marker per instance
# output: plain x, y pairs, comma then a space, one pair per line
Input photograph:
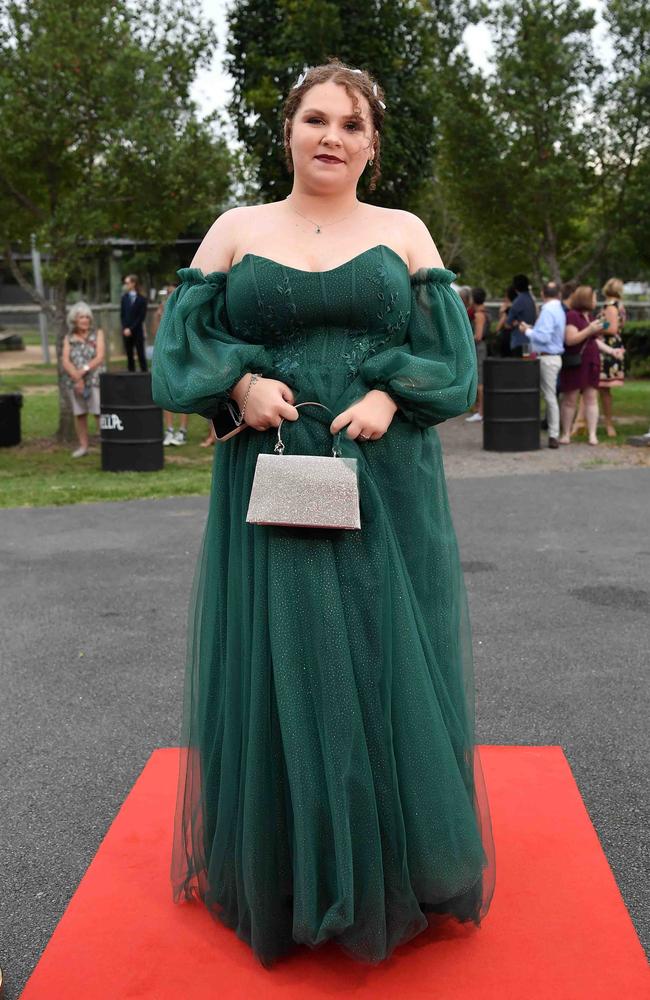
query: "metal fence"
107, 316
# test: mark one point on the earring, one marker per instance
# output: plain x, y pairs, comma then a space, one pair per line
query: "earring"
371, 162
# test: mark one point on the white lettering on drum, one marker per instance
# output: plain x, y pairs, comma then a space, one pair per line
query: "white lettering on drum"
110, 422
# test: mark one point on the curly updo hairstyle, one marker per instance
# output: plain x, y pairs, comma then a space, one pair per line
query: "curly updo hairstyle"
355, 82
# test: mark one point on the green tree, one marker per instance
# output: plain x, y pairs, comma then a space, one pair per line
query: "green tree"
398, 41
469, 194
98, 134
517, 157
623, 145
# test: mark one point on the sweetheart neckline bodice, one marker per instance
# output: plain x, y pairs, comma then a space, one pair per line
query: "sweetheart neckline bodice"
440, 272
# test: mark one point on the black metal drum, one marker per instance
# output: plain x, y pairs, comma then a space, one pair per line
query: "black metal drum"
131, 424
511, 419
10, 405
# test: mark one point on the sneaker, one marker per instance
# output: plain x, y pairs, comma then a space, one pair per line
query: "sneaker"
169, 436
475, 418
180, 437
80, 452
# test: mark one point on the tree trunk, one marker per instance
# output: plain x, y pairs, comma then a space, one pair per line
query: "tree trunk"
553, 266
57, 311
549, 253
66, 431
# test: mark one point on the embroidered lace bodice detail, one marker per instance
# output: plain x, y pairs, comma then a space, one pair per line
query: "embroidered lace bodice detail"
325, 321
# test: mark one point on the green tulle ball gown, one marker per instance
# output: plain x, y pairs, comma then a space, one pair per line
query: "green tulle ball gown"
329, 784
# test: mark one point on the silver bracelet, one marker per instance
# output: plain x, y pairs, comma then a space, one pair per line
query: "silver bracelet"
254, 377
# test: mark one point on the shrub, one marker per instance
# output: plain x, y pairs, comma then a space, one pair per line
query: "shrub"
636, 338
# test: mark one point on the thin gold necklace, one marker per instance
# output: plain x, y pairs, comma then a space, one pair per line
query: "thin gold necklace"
318, 225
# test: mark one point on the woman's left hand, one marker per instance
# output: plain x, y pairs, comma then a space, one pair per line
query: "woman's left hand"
369, 419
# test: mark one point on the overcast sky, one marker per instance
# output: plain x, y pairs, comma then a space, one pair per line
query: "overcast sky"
212, 87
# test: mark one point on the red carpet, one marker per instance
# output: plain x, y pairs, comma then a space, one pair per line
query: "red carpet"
557, 929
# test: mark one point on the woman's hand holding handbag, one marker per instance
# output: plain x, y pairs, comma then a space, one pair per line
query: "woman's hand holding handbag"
254, 402
269, 401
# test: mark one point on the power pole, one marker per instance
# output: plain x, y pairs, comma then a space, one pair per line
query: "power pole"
42, 315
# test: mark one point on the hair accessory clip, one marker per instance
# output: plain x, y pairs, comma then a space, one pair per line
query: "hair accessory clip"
356, 71
300, 78
374, 90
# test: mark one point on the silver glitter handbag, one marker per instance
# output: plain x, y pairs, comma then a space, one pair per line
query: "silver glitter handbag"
305, 491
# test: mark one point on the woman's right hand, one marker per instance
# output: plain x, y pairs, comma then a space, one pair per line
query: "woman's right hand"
269, 402
596, 326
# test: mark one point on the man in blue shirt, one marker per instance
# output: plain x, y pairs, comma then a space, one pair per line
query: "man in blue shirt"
522, 310
547, 339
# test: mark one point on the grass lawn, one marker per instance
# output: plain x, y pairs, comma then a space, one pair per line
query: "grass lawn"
40, 473
631, 412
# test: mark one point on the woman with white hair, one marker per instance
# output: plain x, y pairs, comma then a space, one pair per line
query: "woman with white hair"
83, 360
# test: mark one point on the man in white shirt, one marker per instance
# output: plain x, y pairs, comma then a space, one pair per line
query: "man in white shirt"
547, 340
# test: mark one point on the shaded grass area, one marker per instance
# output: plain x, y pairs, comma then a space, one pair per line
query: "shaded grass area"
633, 399
17, 379
41, 473
631, 412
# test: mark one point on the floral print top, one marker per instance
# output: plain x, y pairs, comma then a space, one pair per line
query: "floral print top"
82, 352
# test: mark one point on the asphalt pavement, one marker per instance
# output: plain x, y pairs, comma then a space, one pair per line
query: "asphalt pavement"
93, 603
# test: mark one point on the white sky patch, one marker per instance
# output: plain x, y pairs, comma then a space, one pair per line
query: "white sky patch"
212, 87
479, 45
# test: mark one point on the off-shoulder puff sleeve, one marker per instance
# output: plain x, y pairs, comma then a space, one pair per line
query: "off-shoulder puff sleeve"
197, 359
433, 375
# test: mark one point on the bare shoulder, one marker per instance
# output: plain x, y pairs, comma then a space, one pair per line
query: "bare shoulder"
422, 251
414, 237
217, 250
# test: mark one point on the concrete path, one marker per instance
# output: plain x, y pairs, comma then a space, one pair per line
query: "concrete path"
464, 455
30, 355
94, 599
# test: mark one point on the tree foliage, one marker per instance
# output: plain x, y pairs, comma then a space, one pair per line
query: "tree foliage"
98, 134
516, 155
623, 149
543, 163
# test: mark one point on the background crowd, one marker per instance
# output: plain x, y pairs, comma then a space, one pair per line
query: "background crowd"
84, 353
578, 342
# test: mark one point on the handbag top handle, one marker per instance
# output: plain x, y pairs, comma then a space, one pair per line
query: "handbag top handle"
279, 445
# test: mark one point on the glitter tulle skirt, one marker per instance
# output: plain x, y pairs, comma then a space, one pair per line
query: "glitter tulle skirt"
329, 786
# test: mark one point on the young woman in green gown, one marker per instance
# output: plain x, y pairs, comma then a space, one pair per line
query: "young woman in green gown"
329, 784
